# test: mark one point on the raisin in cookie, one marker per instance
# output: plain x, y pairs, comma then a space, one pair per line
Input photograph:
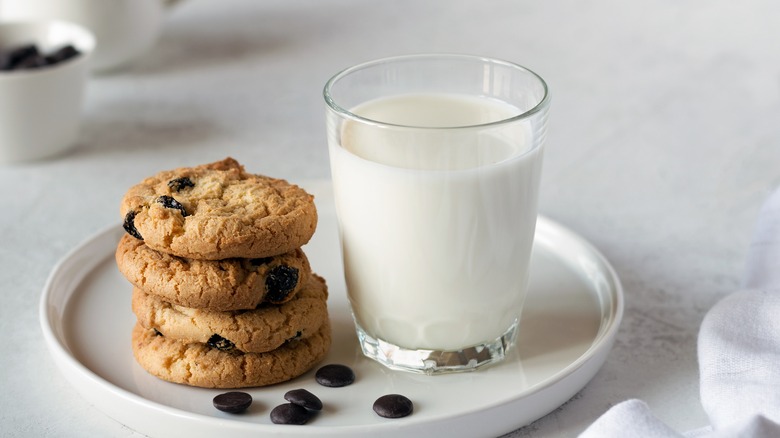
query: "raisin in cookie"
218, 211
200, 365
229, 284
250, 331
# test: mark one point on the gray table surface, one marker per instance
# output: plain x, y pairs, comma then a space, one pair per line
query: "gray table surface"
664, 141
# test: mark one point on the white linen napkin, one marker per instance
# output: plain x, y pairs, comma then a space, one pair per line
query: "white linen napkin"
739, 355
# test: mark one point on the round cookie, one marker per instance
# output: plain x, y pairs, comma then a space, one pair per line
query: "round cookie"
218, 211
251, 331
230, 284
198, 364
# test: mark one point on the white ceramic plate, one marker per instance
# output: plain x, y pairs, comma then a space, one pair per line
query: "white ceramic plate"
568, 326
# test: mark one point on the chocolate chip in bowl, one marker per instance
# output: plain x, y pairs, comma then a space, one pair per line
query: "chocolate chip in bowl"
28, 56
44, 66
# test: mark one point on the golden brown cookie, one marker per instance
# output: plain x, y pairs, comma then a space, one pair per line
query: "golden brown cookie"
230, 284
250, 331
198, 364
218, 211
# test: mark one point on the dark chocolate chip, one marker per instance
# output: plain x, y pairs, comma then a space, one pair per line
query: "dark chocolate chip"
62, 54
220, 343
393, 406
234, 402
335, 375
31, 62
129, 225
258, 262
302, 397
157, 332
297, 336
179, 184
29, 57
169, 202
290, 413
280, 281
15, 56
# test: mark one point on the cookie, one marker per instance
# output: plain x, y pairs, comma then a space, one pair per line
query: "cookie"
198, 364
218, 211
250, 331
230, 284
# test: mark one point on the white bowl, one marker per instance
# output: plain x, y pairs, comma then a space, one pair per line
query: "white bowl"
124, 29
40, 109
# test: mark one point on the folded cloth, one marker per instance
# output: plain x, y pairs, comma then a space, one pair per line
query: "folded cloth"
739, 355
631, 418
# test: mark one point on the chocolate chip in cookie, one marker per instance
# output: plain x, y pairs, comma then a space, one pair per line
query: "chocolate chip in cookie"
280, 282
179, 184
220, 343
129, 225
169, 202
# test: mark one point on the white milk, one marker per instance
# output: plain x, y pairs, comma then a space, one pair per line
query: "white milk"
436, 224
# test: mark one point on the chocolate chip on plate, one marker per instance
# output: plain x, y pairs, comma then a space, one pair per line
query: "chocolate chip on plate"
335, 375
393, 406
290, 413
304, 398
233, 402
280, 282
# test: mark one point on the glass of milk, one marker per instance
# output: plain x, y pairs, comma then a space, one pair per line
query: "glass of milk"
435, 161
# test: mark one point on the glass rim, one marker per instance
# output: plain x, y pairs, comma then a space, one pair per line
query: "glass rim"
539, 106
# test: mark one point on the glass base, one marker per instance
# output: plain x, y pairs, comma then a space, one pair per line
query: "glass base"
437, 361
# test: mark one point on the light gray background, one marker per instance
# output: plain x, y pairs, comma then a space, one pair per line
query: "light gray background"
664, 140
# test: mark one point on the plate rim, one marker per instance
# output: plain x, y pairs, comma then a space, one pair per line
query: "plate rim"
601, 343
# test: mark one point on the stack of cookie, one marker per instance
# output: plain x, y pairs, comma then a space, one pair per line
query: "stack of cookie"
223, 293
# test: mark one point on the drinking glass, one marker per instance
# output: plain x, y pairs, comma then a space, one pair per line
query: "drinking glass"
436, 161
